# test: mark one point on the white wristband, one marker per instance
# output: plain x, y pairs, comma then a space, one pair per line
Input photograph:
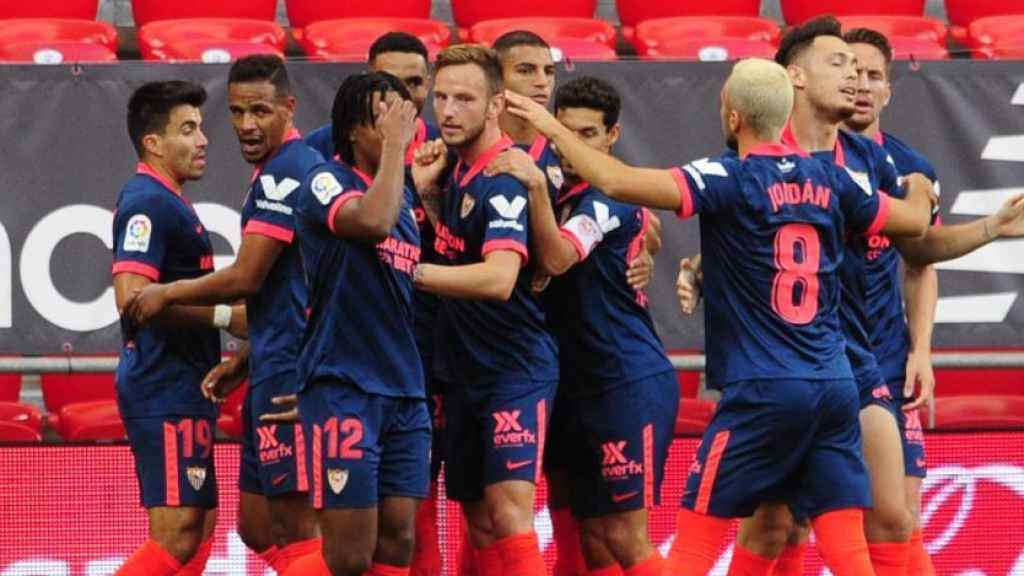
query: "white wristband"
221, 316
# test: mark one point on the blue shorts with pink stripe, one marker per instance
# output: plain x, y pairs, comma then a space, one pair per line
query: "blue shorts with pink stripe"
174, 460
781, 441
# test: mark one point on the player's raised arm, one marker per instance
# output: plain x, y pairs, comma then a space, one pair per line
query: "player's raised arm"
946, 242
492, 279
643, 186
910, 217
372, 215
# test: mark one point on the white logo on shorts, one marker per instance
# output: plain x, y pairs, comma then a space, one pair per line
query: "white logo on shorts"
196, 477
337, 478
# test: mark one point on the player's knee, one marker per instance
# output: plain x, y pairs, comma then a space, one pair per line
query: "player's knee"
395, 544
889, 523
254, 536
182, 544
767, 537
346, 561
625, 538
508, 518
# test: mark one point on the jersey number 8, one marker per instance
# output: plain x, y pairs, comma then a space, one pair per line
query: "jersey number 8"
790, 241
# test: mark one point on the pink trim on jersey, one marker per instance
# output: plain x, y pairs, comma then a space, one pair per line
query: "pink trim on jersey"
880, 138
707, 479
417, 141
542, 432
776, 150
338, 203
133, 267
292, 135
882, 216
490, 154
685, 195
318, 468
581, 252
648, 466
269, 230
366, 178
573, 192
206, 262
789, 139
638, 241
173, 495
537, 148
301, 475
143, 168
505, 244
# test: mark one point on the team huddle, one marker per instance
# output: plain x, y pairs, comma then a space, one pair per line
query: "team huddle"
470, 295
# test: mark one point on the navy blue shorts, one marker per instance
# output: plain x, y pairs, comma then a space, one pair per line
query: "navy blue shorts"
435, 406
273, 454
494, 435
174, 461
620, 442
792, 441
363, 447
912, 435
876, 392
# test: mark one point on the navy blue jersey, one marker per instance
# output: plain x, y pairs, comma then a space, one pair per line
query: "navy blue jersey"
605, 333
277, 313
549, 163
871, 167
887, 324
321, 140
157, 234
487, 341
360, 326
773, 228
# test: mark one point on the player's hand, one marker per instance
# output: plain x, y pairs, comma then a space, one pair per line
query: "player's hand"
428, 163
920, 378
146, 303
224, 378
539, 282
640, 271
396, 120
518, 164
1009, 220
289, 406
926, 185
532, 112
688, 287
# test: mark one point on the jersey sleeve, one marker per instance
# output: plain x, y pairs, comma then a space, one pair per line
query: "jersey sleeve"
593, 219
322, 141
325, 192
141, 235
888, 175
272, 207
706, 186
507, 218
866, 211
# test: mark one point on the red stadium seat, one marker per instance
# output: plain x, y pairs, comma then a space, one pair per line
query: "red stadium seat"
468, 13
999, 37
960, 412
575, 49
349, 39
10, 387
689, 383
302, 13
146, 11
85, 421
210, 39
551, 29
959, 382
633, 12
651, 34
55, 53
962, 13
24, 414
919, 38
694, 416
60, 390
15, 432
78, 9
58, 30
797, 11
710, 49
230, 420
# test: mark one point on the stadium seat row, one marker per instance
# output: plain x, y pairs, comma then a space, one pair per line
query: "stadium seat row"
54, 31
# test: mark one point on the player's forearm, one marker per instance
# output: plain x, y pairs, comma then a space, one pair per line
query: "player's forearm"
185, 317
431, 196
920, 293
479, 281
374, 214
947, 242
553, 253
225, 286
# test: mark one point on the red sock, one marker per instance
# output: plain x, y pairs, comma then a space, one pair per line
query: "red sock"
841, 542
919, 562
520, 555
293, 552
198, 562
613, 570
791, 563
150, 559
889, 558
653, 566
377, 569
426, 556
309, 565
487, 560
569, 559
747, 563
469, 558
270, 557
698, 541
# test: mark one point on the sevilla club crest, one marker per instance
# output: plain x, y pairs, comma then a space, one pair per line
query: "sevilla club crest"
196, 477
467, 205
337, 478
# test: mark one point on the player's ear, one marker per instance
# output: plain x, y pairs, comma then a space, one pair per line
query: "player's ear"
735, 121
153, 144
496, 105
613, 134
797, 76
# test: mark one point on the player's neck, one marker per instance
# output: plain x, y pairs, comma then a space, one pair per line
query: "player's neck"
364, 164
812, 131
488, 138
165, 173
871, 131
748, 141
520, 131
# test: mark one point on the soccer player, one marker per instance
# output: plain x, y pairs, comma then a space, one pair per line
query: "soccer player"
620, 391
361, 396
789, 404
498, 362
274, 516
170, 425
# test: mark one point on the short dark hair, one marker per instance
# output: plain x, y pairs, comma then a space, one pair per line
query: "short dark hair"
398, 42
262, 68
800, 37
353, 106
477, 54
592, 93
510, 40
149, 108
872, 37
